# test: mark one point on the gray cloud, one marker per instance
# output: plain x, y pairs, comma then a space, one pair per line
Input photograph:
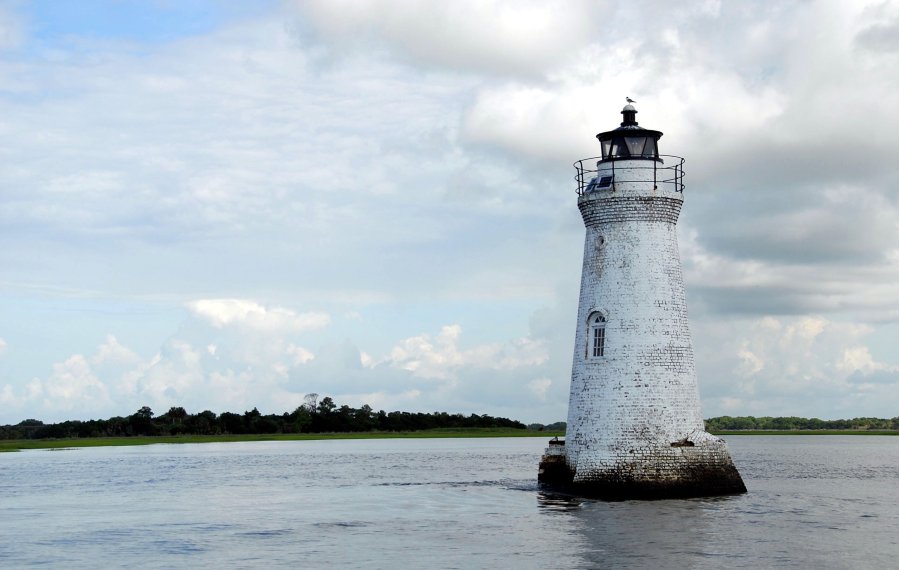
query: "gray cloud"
880, 37
843, 225
875, 377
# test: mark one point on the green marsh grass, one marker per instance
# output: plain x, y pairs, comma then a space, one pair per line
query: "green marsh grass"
19, 444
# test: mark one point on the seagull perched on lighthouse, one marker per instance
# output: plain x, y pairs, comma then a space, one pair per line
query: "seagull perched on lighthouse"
629, 100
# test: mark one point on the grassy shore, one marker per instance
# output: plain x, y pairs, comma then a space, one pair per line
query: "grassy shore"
19, 444
807, 432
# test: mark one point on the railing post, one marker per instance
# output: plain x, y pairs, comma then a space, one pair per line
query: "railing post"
577, 176
582, 184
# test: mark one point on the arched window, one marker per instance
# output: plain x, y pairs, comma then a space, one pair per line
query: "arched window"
597, 337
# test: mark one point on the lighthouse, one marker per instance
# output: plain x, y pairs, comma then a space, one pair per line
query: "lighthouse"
635, 429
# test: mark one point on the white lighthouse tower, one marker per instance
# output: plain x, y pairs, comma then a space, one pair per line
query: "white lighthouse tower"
634, 424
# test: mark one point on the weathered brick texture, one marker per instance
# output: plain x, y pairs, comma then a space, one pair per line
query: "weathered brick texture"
630, 405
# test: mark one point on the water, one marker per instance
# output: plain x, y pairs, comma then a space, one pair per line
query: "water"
822, 502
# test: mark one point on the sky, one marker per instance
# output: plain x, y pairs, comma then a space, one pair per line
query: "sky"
228, 205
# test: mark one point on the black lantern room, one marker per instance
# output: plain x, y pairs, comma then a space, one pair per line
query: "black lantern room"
630, 141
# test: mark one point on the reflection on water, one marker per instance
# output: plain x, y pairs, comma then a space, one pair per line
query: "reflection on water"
813, 502
823, 502
558, 502
639, 534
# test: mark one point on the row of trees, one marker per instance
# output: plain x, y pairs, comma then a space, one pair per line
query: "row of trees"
556, 426
325, 416
725, 423
314, 416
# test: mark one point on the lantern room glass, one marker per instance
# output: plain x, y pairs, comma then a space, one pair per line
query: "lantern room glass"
606, 146
629, 147
635, 145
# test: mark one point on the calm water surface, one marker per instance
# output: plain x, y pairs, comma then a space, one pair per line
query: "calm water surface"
813, 502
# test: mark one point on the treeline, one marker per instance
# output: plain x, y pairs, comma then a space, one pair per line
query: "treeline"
313, 416
729, 423
556, 426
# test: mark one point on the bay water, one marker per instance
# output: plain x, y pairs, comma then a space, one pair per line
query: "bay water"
813, 502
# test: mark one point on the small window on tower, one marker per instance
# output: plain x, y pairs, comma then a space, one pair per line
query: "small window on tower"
597, 336
605, 181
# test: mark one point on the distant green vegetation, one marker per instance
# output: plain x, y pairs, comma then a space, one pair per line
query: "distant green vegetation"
553, 427
308, 421
19, 444
323, 419
805, 432
792, 424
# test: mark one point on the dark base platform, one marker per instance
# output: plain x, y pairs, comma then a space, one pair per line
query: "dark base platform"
691, 481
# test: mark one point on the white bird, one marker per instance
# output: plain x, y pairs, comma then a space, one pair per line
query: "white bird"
629, 100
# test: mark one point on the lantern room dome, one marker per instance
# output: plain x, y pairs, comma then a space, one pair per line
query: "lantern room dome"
630, 141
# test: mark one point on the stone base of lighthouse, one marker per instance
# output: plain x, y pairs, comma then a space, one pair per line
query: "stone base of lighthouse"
697, 466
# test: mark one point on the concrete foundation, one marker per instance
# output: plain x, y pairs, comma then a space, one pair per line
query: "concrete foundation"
678, 472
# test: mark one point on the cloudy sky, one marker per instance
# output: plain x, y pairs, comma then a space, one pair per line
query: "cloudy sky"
223, 205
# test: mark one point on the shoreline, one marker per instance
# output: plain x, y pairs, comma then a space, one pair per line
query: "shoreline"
51, 444
69, 443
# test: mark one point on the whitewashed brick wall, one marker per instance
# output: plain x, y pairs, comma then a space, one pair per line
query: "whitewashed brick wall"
627, 407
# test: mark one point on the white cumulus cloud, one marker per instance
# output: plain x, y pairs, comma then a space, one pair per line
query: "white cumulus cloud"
441, 356
513, 36
250, 314
784, 365
73, 385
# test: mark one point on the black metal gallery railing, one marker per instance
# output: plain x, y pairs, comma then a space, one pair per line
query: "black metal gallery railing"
666, 176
